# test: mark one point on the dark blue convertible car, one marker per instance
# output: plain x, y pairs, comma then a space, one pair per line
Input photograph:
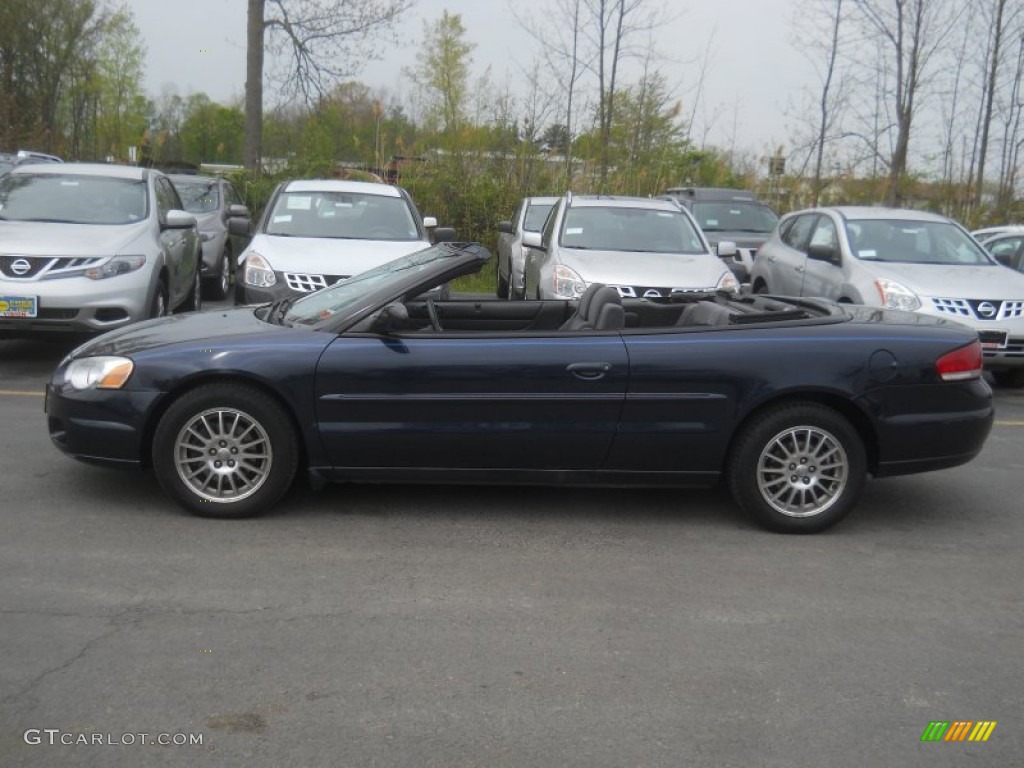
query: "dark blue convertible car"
793, 402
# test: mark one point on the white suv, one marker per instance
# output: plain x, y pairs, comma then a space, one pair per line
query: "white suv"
900, 259
317, 232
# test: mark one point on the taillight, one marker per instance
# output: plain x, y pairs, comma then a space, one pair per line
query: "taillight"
961, 364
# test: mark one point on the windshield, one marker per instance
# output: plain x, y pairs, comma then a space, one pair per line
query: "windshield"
69, 199
639, 230
346, 215
536, 215
731, 216
914, 242
198, 196
317, 307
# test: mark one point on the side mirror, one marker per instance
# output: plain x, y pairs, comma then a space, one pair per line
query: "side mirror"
429, 222
444, 234
237, 210
533, 240
178, 220
393, 316
506, 227
727, 249
240, 226
820, 252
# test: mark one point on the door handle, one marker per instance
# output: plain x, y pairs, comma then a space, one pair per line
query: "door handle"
588, 371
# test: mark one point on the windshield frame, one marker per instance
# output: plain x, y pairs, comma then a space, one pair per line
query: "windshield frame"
345, 303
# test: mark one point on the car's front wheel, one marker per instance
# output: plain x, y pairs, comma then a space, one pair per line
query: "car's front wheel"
797, 467
225, 450
501, 290
194, 301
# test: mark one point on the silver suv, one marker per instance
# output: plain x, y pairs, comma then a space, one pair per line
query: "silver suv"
900, 259
87, 248
529, 217
642, 247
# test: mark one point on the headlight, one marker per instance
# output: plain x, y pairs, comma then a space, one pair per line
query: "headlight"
728, 282
568, 284
98, 372
897, 296
118, 265
258, 271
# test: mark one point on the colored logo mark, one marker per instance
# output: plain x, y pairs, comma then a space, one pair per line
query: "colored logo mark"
958, 730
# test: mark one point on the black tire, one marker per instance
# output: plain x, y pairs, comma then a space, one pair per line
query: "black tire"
800, 434
761, 289
158, 306
218, 286
502, 289
1012, 378
233, 420
194, 301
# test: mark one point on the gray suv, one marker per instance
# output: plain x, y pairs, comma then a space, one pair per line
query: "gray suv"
88, 248
529, 217
642, 247
729, 215
900, 259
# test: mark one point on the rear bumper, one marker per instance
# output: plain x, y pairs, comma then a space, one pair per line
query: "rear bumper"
920, 429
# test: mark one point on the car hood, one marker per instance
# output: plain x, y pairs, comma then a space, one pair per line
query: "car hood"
954, 281
331, 256
668, 270
203, 328
37, 238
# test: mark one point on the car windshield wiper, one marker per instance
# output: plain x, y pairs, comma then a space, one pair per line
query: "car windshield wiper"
276, 311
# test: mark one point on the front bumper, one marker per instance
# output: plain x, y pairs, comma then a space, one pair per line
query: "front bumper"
79, 305
99, 427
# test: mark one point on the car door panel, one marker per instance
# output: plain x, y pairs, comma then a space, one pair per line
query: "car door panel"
824, 278
473, 401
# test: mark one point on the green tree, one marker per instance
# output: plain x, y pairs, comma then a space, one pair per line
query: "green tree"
212, 132
442, 72
122, 105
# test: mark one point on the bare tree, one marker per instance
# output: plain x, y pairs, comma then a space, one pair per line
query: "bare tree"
909, 32
316, 44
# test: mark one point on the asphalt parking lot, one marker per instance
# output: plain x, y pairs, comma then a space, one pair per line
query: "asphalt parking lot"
451, 626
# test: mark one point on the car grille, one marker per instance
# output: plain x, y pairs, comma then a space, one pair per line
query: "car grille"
981, 309
303, 283
1014, 348
40, 267
645, 292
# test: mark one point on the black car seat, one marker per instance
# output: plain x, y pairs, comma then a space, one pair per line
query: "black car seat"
599, 309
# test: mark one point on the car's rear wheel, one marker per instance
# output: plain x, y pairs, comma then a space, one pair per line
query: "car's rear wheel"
225, 450
217, 289
797, 468
1012, 378
502, 290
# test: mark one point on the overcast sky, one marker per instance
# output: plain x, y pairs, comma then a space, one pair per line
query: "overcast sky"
754, 74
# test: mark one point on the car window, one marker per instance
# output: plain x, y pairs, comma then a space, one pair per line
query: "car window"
231, 196
639, 230
798, 231
72, 199
536, 215
914, 242
734, 217
166, 198
1005, 249
198, 196
825, 233
342, 215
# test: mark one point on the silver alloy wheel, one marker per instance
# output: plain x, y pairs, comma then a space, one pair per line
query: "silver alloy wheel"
223, 455
802, 471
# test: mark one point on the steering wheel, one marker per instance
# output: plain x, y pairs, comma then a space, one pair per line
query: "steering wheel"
432, 314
